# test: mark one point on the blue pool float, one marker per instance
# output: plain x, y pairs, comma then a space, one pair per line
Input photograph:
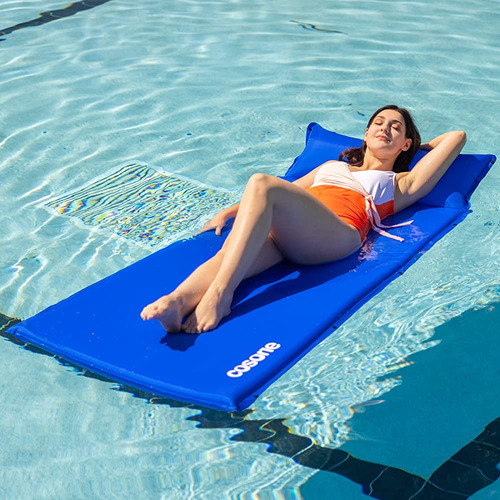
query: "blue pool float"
277, 317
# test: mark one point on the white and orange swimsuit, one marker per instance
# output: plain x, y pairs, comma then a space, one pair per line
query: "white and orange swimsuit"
360, 198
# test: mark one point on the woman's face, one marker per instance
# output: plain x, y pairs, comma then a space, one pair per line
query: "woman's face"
386, 135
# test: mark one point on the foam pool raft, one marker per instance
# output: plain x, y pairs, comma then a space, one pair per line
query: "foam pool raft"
277, 317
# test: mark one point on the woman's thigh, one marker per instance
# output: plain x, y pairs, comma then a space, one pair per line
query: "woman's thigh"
305, 230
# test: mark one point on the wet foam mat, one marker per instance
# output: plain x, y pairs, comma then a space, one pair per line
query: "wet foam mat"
277, 316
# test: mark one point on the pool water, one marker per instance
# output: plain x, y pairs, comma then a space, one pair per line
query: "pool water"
404, 392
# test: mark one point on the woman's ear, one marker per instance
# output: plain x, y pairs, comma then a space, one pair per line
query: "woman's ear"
407, 144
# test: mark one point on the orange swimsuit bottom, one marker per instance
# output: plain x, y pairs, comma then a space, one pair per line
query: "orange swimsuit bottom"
362, 204
348, 205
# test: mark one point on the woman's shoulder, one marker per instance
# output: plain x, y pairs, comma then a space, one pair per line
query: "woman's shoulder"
335, 164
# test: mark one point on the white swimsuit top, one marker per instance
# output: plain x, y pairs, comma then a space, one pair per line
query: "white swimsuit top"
378, 183
377, 186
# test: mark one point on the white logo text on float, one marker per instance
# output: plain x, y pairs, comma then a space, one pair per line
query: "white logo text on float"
253, 360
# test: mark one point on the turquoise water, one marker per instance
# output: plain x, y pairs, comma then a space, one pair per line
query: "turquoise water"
213, 92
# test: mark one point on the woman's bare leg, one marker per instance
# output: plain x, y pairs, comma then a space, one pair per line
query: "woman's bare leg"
306, 231
170, 309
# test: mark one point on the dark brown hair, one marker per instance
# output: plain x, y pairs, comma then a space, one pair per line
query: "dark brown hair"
355, 156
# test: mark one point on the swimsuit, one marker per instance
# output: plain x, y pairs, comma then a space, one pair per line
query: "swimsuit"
359, 198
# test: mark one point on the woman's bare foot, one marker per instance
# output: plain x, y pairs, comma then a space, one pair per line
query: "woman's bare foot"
167, 310
215, 305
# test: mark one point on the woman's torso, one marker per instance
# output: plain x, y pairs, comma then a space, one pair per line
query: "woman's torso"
377, 183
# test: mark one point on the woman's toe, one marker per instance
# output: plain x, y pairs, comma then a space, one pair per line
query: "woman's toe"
188, 325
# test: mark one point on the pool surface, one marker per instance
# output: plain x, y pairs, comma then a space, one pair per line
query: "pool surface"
400, 402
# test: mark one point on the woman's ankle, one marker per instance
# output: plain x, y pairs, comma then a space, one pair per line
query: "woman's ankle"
221, 288
186, 302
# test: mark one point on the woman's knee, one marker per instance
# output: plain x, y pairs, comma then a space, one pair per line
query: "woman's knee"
261, 182
263, 186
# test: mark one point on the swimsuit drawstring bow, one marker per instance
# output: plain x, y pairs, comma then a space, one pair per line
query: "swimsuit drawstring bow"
376, 223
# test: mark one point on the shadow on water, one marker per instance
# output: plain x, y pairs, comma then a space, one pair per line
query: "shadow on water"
54, 15
472, 468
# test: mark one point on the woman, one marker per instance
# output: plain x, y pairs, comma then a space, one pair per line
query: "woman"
321, 217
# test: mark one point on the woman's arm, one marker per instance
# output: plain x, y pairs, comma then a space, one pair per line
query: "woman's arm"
413, 185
